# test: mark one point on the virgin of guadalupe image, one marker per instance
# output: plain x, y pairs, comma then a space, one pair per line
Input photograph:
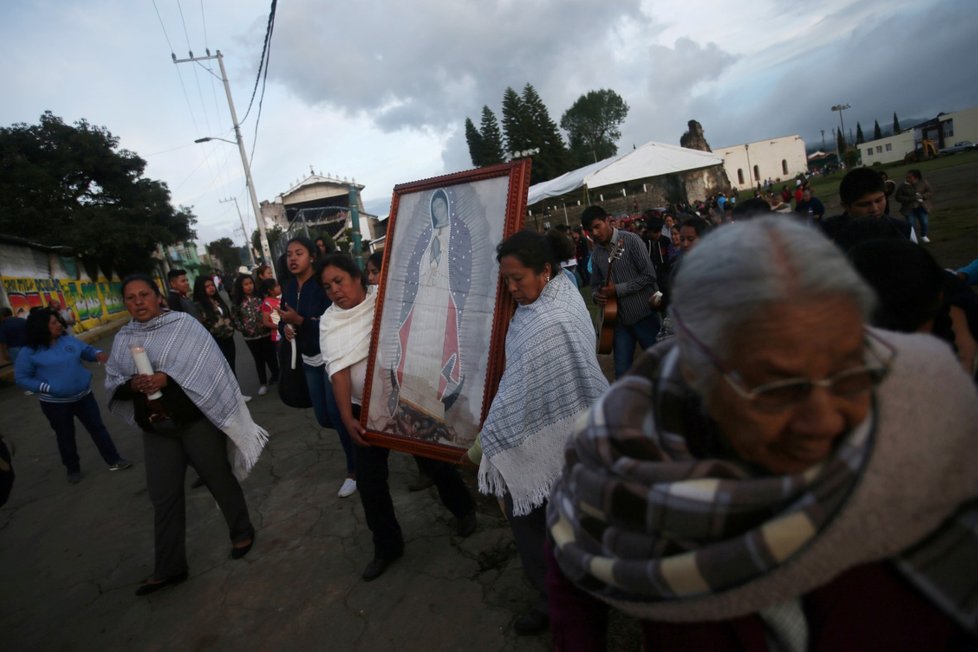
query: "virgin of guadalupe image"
428, 371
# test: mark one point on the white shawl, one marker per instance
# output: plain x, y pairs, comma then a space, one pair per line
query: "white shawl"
344, 334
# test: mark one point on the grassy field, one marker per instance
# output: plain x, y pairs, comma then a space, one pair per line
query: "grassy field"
954, 218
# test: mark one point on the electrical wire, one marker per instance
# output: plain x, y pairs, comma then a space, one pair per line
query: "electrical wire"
183, 87
262, 63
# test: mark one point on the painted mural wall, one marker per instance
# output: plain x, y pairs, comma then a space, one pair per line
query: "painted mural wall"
91, 303
30, 278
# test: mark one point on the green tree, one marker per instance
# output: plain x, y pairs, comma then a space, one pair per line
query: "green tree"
860, 139
877, 132
517, 125
476, 147
492, 138
71, 185
553, 159
896, 124
226, 253
840, 142
273, 234
592, 125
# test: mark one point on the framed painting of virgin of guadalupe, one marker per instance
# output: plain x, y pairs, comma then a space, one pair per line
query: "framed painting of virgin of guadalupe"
437, 346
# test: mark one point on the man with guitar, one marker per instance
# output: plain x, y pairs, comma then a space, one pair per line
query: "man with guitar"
622, 281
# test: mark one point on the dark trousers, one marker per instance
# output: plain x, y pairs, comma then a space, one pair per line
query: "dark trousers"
530, 533
642, 332
61, 416
226, 344
327, 411
378, 508
263, 351
168, 452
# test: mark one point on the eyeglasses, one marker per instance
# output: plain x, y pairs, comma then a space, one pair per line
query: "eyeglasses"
783, 394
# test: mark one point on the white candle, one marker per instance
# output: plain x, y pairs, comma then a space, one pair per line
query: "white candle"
144, 366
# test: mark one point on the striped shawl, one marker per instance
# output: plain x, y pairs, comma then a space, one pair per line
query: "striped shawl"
551, 379
179, 346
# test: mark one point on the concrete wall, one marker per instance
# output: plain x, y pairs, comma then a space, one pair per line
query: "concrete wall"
964, 125
887, 150
777, 159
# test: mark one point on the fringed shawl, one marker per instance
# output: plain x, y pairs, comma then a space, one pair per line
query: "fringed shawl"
180, 347
551, 379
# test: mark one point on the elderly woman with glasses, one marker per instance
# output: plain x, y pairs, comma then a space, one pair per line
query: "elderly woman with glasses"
779, 476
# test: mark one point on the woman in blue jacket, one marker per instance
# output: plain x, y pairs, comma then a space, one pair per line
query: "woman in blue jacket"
303, 303
50, 366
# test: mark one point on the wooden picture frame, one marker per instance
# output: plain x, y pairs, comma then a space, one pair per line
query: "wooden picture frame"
437, 346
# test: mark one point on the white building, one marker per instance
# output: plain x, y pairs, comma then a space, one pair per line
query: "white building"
751, 164
887, 150
949, 128
319, 204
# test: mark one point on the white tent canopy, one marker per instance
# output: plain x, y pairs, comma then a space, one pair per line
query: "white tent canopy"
650, 160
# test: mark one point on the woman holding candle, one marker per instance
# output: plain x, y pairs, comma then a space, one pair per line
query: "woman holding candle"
51, 367
167, 375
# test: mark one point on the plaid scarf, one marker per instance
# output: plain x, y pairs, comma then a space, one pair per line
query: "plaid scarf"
637, 517
180, 347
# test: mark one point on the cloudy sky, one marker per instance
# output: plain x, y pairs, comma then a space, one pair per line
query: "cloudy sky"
378, 90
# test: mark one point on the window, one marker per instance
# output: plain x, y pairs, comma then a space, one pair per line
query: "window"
889, 147
949, 129
879, 149
784, 167
757, 173
740, 176
869, 152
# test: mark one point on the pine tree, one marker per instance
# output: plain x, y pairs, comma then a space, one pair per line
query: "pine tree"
860, 139
517, 127
877, 132
476, 144
896, 124
553, 158
840, 142
492, 138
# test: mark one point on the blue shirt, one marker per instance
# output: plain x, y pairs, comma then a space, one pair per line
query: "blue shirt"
55, 372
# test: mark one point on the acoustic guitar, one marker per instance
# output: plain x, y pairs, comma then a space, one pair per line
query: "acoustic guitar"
609, 312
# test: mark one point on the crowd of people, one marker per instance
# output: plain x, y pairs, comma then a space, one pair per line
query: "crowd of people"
784, 466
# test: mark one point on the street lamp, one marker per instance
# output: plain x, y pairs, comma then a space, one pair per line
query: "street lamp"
840, 108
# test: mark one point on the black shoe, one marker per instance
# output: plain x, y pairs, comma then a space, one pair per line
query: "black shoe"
467, 525
74, 477
237, 552
377, 567
198, 483
531, 623
152, 585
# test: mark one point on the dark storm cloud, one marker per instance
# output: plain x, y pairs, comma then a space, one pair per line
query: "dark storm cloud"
910, 62
431, 63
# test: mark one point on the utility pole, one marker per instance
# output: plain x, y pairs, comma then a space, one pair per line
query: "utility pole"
266, 250
251, 254
354, 201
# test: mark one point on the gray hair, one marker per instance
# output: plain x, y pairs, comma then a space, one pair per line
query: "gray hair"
739, 270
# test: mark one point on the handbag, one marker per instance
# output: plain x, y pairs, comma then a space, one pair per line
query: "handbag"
292, 388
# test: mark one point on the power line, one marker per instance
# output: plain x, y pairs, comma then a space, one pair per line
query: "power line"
262, 63
266, 57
